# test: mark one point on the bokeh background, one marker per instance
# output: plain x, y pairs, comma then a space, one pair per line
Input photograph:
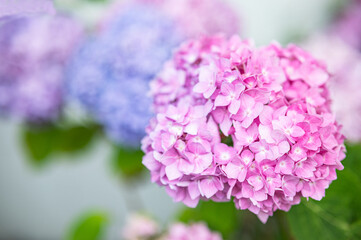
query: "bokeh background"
43, 202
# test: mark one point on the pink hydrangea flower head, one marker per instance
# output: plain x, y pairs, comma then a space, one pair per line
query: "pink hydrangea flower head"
231, 123
140, 227
197, 231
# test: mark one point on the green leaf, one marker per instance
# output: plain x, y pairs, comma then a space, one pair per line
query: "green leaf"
219, 216
276, 228
42, 142
356, 229
237, 224
309, 221
91, 226
128, 162
75, 138
338, 214
39, 142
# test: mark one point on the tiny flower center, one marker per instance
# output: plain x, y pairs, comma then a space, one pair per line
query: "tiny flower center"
248, 112
262, 150
225, 156
298, 150
246, 160
288, 131
180, 147
265, 72
252, 167
177, 130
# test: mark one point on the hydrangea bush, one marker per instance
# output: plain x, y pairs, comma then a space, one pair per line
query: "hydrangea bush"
243, 123
110, 74
34, 50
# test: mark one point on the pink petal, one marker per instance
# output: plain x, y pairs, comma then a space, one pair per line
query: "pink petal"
297, 131
247, 190
227, 88
172, 172
284, 147
222, 100
225, 125
193, 190
234, 106
231, 170
207, 187
256, 181
247, 157
201, 87
263, 216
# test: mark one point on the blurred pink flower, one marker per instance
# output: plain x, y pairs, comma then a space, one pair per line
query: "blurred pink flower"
197, 231
344, 64
140, 227
348, 25
200, 17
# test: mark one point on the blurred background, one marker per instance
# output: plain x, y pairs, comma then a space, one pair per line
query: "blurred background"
43, 201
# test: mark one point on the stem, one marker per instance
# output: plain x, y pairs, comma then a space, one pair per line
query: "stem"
132, 198
283, 226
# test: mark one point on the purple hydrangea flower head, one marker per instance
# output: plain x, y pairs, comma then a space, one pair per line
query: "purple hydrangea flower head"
111, 72
34, 50
14, 7
239, 122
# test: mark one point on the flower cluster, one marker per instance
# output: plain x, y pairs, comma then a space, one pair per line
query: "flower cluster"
348, 26
344, 64
110, 74
235, 121
34, 51
140, 227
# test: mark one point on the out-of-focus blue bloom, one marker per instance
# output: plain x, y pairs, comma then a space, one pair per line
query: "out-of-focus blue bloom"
111, 72
34, 50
